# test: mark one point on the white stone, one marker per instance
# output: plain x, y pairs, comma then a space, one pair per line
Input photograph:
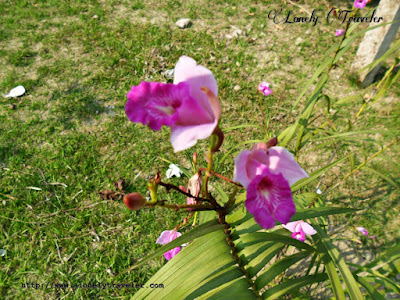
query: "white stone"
236, 88
15, 92
183, 23
377, 41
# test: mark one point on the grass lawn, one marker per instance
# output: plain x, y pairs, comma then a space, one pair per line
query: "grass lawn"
68, 137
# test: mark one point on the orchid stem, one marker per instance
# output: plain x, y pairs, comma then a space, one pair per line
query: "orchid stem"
194, 207
174, 187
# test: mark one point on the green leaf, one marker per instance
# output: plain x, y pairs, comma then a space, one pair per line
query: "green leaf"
224, 196
389, 283
196, 232
270, 249
388, 262
242, 126
337, 259
383, 176
278, 267
370, 289
181, 276
292, 284
257, 237
237, 289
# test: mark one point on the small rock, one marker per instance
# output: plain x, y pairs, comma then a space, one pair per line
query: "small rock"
236, 88
95, 17
236, 32
183, 23
3, 252
299, 40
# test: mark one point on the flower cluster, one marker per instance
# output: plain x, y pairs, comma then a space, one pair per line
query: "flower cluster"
190, 107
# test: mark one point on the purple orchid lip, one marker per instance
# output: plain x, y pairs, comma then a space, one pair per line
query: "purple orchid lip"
269, 198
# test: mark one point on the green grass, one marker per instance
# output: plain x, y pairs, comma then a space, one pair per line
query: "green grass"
64, 142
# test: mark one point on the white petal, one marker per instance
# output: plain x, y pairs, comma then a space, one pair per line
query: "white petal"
173, 171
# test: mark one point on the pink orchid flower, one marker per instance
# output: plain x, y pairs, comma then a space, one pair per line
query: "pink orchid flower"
360, 3
189, 106
278, 160
362, 230
263, 87
268, 173
300, 229
340, 32
166, 237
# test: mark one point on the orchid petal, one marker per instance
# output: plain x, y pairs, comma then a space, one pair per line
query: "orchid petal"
171, 253
240, 171
184, 137
282, 161
187, 70
291, 226
307, 228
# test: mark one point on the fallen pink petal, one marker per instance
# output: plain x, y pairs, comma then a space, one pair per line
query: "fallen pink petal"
263, 87
362, 230
360, 3
340, 32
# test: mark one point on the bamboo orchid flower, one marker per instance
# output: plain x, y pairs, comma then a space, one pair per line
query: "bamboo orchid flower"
166, 237
268, 173
189, 106
300, 229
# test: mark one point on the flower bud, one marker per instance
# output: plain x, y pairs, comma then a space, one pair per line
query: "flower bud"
134, 201
194, 159
272, 142
152, 186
